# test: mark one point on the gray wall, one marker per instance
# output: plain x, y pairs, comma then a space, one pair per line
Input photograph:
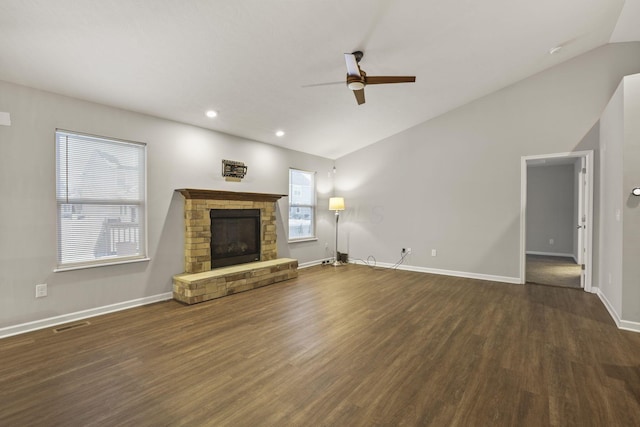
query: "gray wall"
620, 211
631, 207
453, 183
551, 210
179, 156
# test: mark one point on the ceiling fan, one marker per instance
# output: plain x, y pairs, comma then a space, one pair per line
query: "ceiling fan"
358, 79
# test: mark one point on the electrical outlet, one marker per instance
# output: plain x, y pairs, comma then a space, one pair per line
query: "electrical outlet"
41, 290
408, 250
434, 252
552, 242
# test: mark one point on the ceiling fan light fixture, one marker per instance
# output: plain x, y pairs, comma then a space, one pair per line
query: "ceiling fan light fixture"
356, 85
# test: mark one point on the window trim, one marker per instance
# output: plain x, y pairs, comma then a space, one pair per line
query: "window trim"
83, 266
142, 204
314, 207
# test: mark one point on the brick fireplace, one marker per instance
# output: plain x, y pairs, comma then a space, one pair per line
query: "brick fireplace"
199, 282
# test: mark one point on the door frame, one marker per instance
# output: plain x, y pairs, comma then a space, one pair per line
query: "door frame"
585, 199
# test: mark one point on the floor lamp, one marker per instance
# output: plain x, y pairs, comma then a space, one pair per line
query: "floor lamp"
336, 204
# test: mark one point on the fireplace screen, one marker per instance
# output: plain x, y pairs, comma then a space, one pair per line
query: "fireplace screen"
235, 236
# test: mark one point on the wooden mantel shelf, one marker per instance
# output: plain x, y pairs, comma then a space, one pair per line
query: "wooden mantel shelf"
190, 193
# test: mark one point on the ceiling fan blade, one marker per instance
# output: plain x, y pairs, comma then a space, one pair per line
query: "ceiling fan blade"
352, 65
324, 84
378, 80
359, 96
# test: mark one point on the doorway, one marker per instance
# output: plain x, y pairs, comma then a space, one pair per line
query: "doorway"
556, 219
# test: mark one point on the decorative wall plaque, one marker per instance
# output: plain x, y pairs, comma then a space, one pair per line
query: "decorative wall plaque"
233, 171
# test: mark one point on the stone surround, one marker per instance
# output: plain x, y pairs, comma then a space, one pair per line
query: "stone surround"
197, 237
199, 283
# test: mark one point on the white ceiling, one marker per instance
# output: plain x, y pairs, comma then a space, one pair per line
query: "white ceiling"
251, 59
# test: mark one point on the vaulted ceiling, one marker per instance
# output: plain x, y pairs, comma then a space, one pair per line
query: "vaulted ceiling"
260, 63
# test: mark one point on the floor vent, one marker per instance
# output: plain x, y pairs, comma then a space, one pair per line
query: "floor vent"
72, 326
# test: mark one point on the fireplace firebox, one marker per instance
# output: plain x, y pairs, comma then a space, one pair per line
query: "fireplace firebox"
235, 236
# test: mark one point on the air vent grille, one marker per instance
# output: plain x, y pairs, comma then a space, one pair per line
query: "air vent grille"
71, 326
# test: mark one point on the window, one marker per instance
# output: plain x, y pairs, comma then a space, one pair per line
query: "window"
302, 205
100, 191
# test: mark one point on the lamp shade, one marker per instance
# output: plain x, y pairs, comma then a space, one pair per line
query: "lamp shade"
336, 203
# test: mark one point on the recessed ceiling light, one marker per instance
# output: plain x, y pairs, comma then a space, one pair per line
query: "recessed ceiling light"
280, 133
211, 114
555, 50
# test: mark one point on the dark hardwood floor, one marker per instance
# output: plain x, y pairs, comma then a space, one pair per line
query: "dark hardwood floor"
348, 346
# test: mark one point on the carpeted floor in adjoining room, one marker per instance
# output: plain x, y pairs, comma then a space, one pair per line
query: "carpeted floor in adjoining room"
553, 270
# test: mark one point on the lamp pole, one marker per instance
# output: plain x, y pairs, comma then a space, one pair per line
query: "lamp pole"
337, 262
336, 204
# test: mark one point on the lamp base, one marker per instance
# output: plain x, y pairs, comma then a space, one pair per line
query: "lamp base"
342, 259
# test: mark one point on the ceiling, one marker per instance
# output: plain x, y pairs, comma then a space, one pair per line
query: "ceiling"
253, 60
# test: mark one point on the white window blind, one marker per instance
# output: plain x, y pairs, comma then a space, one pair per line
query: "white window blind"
302, 204
100, 191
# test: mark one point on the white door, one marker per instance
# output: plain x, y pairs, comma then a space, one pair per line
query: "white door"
582, 218
585, 205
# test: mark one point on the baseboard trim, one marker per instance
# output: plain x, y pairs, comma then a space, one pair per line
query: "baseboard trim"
625, 325
467, 275
309, 264
609, 307
551, 254
79, 315
324, 261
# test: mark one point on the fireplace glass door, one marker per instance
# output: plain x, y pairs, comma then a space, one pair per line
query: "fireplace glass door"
235, 236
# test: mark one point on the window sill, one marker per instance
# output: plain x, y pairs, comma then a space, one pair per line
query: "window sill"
104, 264
307, 239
